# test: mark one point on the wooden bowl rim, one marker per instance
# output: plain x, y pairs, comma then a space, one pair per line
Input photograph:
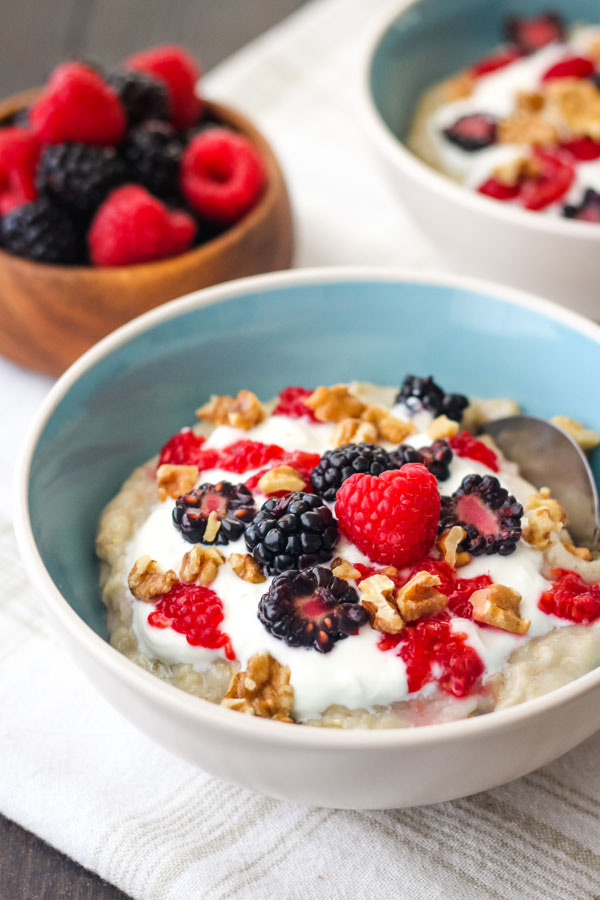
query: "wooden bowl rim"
216, 246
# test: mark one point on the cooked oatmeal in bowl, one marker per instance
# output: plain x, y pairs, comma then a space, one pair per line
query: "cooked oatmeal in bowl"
351, 557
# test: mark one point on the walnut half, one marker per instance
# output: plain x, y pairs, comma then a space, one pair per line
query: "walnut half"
263, 690
244, 411
379, 601
200, 564
147, 580
499, 605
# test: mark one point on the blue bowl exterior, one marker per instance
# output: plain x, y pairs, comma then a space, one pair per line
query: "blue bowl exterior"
121, 410
435, 38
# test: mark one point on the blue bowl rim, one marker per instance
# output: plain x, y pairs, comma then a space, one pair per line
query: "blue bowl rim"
398, 154
192, 708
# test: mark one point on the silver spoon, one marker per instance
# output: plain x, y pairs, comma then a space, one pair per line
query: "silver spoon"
548, 457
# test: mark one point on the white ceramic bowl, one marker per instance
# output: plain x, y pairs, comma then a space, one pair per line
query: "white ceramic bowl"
124, 397
420, 43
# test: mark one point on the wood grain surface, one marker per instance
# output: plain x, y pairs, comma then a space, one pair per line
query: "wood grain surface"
36, 34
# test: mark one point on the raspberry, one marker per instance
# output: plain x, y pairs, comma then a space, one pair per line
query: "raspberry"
571, 598
496, 61
19, 154
42, 232
292, 532
436, 458
433, 652
499, 191
311, 609
392, 518
153, 154
473, 132
338, 465
222, 175
78, 176
232, 505
534, 33
143, 96
582, 148
572, 67
195, 611
77, 105
586, 211
418, 394
299, 460
291, 403
177, 69
469, 447
132, 226
244, 455
488, 513
185, 449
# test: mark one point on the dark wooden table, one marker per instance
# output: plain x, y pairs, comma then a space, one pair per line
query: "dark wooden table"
36, 35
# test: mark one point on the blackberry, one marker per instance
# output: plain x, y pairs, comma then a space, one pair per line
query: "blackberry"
488, 513
292, 532
436, 458
586, 211
473, 132
311, 609
418, 394
79, 176
142, 95
153, 154
42, 232
337, 465
532, 34
232, 504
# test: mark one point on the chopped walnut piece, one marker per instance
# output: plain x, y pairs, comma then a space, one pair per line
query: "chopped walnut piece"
545, 517
281, 478
200, 564
459, 87
353, 431
332, 404
448, 543
174, 481
577, 102
378, 600
419, 597
498, 605
587, 438
263, 690
513, 172
213, 523
389, 428
244, 411
147, 580
579, 552
530, 101
525, 127
593, 51
341, 568
246, 567
442, 427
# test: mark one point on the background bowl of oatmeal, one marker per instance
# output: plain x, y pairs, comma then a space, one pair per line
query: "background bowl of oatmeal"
422, 43
119, 402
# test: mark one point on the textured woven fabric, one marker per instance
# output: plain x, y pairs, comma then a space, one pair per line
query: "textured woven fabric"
76, 773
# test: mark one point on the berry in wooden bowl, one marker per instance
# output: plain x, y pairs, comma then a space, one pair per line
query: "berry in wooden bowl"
120, 191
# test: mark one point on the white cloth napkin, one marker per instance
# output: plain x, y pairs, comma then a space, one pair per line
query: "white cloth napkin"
77, 774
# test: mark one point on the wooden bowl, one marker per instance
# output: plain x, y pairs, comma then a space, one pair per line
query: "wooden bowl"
49, 315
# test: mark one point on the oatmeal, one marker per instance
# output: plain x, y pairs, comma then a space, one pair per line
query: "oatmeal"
525, 126
408, 579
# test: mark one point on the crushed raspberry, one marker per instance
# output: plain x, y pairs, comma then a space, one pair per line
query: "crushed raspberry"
556, 179
185, 449
572, 67
571, 598
499, 191
433, 652
19, 154
299, 460
392, 517
458, 599
178, 70
132, 226
495, 62
244, 455
77, 105
291, 403
222, 175
195, 611
466, 446
582, 148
